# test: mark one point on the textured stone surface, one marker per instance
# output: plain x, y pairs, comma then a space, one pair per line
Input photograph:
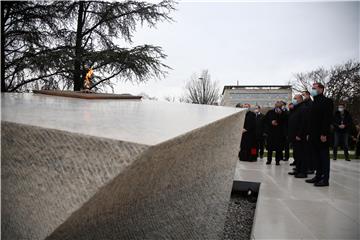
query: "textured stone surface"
57, 184
145, 122
47, 174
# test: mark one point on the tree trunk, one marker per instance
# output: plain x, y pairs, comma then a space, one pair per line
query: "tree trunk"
78, 80
3, 87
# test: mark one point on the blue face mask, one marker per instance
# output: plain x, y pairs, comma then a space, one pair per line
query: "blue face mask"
313, 92
294, 102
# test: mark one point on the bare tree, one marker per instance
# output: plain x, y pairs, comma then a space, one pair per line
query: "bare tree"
344, 81
170, 99
201, 90
183, 99
304, 80
342, 84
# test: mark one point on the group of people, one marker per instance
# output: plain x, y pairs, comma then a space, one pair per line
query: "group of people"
305, 124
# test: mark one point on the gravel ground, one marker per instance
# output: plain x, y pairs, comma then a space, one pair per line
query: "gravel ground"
240, 216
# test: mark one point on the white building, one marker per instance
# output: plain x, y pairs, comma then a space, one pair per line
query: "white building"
264, 96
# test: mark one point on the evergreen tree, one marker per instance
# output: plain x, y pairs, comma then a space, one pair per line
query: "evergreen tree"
26, 29
73, 36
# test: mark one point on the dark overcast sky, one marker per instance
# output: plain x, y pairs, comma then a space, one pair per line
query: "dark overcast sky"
253, 43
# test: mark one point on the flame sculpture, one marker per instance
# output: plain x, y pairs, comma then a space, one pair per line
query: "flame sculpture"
87, 82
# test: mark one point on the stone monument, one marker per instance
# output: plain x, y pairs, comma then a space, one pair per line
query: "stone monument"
115, 169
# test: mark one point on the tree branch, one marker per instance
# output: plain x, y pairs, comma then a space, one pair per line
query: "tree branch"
34, 79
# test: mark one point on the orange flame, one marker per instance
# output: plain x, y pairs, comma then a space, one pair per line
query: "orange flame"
87, 82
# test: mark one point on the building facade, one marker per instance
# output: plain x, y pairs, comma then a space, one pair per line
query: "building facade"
265, 96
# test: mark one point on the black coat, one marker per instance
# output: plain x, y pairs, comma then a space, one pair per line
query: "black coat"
342, 119
248, 138
286, 115
275, 134
298, 122
308, 103
320, 118
259, 125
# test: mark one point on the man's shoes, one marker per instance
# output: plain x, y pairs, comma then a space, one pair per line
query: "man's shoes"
334, 159
292, 164
312, 180
286, 159
321, 183
277, 163
301, 175
292, 173
348, 159
268, 163
310, 172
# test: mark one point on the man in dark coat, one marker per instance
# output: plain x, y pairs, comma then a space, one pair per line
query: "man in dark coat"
286, 112
319, 134
297, 129
307, 99
291, 110
259, 131
309, 155
248, 139
342, 123
274, 130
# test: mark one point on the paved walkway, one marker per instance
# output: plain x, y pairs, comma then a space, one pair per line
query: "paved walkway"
289, 208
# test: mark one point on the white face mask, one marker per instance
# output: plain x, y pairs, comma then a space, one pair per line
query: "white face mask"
314, 93
341, 109
256, 110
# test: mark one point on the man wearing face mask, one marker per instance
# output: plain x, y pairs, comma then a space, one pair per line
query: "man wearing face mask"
319, 133
274, 129
307, 99
297, 136
290, 107
309, 156
259, 132
248, 139
342, 123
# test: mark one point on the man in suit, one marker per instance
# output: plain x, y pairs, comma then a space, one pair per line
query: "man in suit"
291, 110
259, 131
307, 99
342, 123
286, 112
308, 151
297, 130
274, 128
319, 134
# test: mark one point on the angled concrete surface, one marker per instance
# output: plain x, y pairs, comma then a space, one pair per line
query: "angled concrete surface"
144, 122
289, 208
47, 174
74, 169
